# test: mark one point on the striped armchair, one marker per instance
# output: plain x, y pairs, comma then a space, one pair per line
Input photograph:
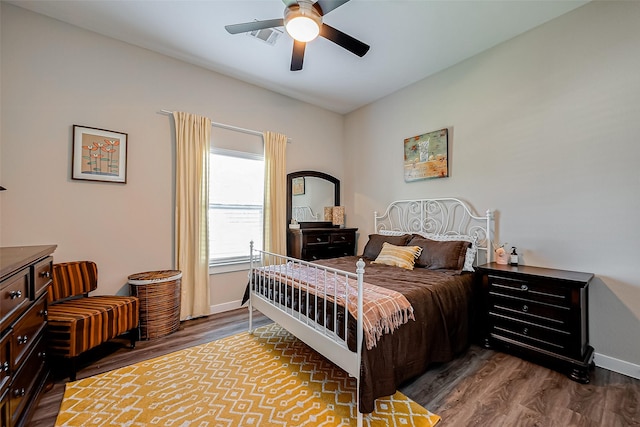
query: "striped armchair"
79, 322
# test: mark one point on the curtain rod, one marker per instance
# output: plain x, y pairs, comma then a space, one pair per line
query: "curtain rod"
228, 127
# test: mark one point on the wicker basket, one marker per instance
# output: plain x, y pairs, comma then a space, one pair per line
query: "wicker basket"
159, 295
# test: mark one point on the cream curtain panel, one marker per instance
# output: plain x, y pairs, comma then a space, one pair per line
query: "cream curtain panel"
193, 135
275, 197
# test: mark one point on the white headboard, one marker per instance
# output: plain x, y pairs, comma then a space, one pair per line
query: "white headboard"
446, 216
304, 213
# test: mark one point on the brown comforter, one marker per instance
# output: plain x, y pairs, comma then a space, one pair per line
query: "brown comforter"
441, 301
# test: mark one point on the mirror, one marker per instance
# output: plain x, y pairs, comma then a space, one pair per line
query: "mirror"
308, 192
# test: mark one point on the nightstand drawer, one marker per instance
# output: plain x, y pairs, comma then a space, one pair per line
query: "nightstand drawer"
530, 290
15, 294
26, 380
42, 272
316, 239
5, 361
27, 330
343, 238
532, 311
312, 254
530, 333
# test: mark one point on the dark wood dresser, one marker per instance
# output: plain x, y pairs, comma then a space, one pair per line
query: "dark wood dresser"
314, 243
540, 314
25, 274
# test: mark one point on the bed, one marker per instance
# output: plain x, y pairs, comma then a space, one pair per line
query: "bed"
353, 310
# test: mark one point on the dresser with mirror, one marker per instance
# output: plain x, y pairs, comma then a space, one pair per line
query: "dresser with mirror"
310, 236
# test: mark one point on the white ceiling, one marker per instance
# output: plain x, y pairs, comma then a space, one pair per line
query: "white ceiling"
409, 39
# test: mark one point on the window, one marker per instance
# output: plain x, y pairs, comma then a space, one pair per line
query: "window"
236, 190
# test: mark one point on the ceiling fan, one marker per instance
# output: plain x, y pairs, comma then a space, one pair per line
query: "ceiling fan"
303, 21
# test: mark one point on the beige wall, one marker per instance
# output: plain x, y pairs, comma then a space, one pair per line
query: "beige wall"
544, 130
55, 75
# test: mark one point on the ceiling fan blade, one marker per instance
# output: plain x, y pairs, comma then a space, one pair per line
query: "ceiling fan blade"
354, 46
298, 55
253, 26
328, 5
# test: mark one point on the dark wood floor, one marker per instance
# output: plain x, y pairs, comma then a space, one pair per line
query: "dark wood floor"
479, 388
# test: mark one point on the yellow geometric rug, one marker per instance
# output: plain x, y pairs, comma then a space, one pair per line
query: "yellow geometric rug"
267, 379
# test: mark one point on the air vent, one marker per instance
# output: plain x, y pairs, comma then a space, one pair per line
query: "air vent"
267, 35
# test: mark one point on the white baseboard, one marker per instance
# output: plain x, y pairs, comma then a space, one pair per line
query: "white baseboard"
227, 306
616, 365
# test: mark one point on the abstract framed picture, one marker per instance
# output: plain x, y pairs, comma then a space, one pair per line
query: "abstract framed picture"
99, 155
426, 156
297, 185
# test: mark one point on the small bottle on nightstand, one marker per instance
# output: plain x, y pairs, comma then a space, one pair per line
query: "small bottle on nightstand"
513, 259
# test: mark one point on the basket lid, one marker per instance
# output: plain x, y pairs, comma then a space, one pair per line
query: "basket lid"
149, 277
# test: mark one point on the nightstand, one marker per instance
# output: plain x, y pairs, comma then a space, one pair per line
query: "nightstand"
540, 314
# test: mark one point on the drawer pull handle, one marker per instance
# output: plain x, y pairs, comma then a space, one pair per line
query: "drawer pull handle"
318, 239
46, 274
5, 367
22, 339
343, 238
42, 355
524, 287
525, 331
525, 308
15, 294
19, 392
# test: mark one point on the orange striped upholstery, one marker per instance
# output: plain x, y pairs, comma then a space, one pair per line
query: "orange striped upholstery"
80, 324
72, 279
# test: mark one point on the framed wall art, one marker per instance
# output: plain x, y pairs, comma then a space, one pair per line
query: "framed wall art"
99, 155
297, 186
426, 156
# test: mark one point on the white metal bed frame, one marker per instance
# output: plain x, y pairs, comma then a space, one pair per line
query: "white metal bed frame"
446, 216
304, 213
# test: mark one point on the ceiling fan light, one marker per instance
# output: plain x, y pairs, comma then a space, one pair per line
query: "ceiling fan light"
303, 28
302, 21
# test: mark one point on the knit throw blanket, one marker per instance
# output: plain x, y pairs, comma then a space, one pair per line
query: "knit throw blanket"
383, 310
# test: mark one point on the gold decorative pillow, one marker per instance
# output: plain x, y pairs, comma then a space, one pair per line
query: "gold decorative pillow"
399, 256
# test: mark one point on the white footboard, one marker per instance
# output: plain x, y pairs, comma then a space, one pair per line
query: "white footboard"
282, 293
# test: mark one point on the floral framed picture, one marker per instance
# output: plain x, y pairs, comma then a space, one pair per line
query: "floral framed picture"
426, 156
298, 186
99, 155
